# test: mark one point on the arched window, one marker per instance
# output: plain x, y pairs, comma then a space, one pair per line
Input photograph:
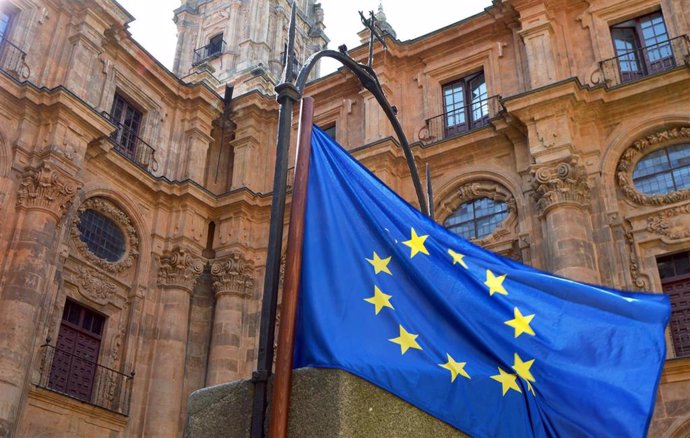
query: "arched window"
215, 45
664, 171
478, 218
102, 236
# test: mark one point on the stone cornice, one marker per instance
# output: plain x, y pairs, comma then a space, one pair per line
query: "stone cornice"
179, 270
44, 188
234, 275
560, 183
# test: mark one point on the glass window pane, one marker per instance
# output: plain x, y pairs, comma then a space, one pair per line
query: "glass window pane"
656, 184
478, 218
653, 163
679, 155
101, 235
682, 178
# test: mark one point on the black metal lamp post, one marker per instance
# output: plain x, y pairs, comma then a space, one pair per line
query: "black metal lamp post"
290, 91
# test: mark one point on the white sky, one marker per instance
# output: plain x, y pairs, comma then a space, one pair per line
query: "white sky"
154, 29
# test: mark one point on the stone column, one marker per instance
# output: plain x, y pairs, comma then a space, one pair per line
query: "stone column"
234, 287
43, 196
176, 277
563, 200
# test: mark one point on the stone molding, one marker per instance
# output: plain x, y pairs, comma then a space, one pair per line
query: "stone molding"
632, 155
233, 275
179, 270
560, 183
634, 261
110, 210
95, 285
44, 188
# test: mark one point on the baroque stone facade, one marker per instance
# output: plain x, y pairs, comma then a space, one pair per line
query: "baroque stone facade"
136, 204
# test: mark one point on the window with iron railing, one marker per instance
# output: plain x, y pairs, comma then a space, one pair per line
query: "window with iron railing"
128, 119
214, 48
465, 104
642, 47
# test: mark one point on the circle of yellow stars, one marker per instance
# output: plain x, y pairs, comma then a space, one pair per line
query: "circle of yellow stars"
406, 340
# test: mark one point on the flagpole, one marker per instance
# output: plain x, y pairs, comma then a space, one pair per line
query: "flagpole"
280, 403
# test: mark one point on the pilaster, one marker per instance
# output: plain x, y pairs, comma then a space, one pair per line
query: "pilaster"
234, 283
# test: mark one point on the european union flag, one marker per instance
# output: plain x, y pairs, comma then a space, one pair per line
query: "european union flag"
486, 344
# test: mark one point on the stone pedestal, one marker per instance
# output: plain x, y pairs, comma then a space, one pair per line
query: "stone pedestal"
43, 197
176, 278
324, 404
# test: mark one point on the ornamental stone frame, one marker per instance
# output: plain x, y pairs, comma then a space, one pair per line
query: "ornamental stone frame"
482, 188
632, 155
114, 213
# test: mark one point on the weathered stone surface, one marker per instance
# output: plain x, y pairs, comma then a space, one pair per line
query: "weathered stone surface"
325, 404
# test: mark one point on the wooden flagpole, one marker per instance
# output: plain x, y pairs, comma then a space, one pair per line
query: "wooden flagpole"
280, 403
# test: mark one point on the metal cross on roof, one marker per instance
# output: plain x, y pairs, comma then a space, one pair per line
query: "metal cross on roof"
374, 33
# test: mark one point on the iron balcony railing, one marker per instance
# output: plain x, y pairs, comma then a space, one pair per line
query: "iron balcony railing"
461, 120
207, 52
13, 59
128, 143
84, 380
646, 61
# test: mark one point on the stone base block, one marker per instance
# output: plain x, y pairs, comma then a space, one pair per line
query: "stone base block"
325, 404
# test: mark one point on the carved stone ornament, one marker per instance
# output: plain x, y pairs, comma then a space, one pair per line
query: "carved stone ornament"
44, 188
179, 269
95, 285
233, 275
668, 223
482, 189
564, 182
632, 156
635, 274
110, 210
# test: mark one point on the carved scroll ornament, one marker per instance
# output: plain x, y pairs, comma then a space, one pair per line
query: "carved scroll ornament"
110, 210
564, 182
44, 188
233, 275
179, 269
95, 285
632, 155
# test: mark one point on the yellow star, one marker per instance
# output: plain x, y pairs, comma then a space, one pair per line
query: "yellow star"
455, 368
406, 341
416, 244
521, 323
495, 283
457, 258
522, 369
379, 264
379, 300
508, 381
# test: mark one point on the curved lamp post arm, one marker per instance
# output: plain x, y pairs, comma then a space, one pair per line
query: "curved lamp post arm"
367, 77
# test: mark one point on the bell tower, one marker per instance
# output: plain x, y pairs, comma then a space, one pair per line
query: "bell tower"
242, 42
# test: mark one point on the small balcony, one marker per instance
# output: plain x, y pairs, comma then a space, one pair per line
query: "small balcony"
129, 144
207, 52
462, 120
645, 61
12, 60
84, 380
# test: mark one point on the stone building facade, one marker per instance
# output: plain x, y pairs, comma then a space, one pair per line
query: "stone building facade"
136, 204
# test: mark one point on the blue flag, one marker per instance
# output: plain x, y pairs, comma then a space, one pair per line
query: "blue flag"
493, 347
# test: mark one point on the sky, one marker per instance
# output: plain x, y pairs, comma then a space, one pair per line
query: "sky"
155, 30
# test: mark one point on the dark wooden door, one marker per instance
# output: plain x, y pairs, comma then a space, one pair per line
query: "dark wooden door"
679, 293
73, 370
